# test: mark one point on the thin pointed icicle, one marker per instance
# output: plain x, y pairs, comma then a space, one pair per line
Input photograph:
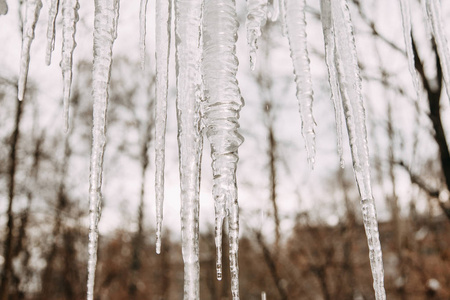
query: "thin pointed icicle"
328, 33
32, 15
350, 88
163, 21
406, 21
188, 24
256, 19
52, 13
105, 31
435, 19
221, 114
142, 30
70, 19
296, 32
3, 7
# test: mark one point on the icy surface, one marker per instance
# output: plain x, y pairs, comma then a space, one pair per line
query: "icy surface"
350, 88
142, 30
188, 24
32, 15
328, 33
105, 31
221, 113
256, 19
3, 7
296, 32
163, 21
435, 19
52, 13
70, 19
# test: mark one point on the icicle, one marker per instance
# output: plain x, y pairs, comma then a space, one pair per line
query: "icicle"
328, 33
256, 19
406, 21
282, 9
188, 23
32, 15
296, 32
263, 295
273, 10
221, 114
70, 19
163, 20
105, 31
435, 19
143, 29
3, 7
52, 12
350, 88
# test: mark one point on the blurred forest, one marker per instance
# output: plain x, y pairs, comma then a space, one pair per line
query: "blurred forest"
320, 254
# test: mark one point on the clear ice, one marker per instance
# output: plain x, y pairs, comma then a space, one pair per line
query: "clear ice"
52, 13
296, 32
256, 19
163, 28
33, 9
350, 89
220, 112
188, 25
105, 32
70, 19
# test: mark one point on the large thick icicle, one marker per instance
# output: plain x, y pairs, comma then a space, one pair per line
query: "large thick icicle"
188, 24
105, 31
70, 19
3, 7
163, 21
406, 22
52, 12
435, 19
32, 15
143, 29
220, 115
256, 19
350, 89
328, 34
296, 32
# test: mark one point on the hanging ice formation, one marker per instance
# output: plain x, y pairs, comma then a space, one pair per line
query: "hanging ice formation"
105, 32
52, 12
188, 24
163, 21
220, 113
330, 53
435, 20
70, 19
256, 19
296, 32
3, 7
349, 82
406, 22
142, 30
32, 15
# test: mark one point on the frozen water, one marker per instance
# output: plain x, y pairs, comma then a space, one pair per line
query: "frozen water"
32, 15
188, 24
221, 113
105, 32
163, 28
70, 19
296, 32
